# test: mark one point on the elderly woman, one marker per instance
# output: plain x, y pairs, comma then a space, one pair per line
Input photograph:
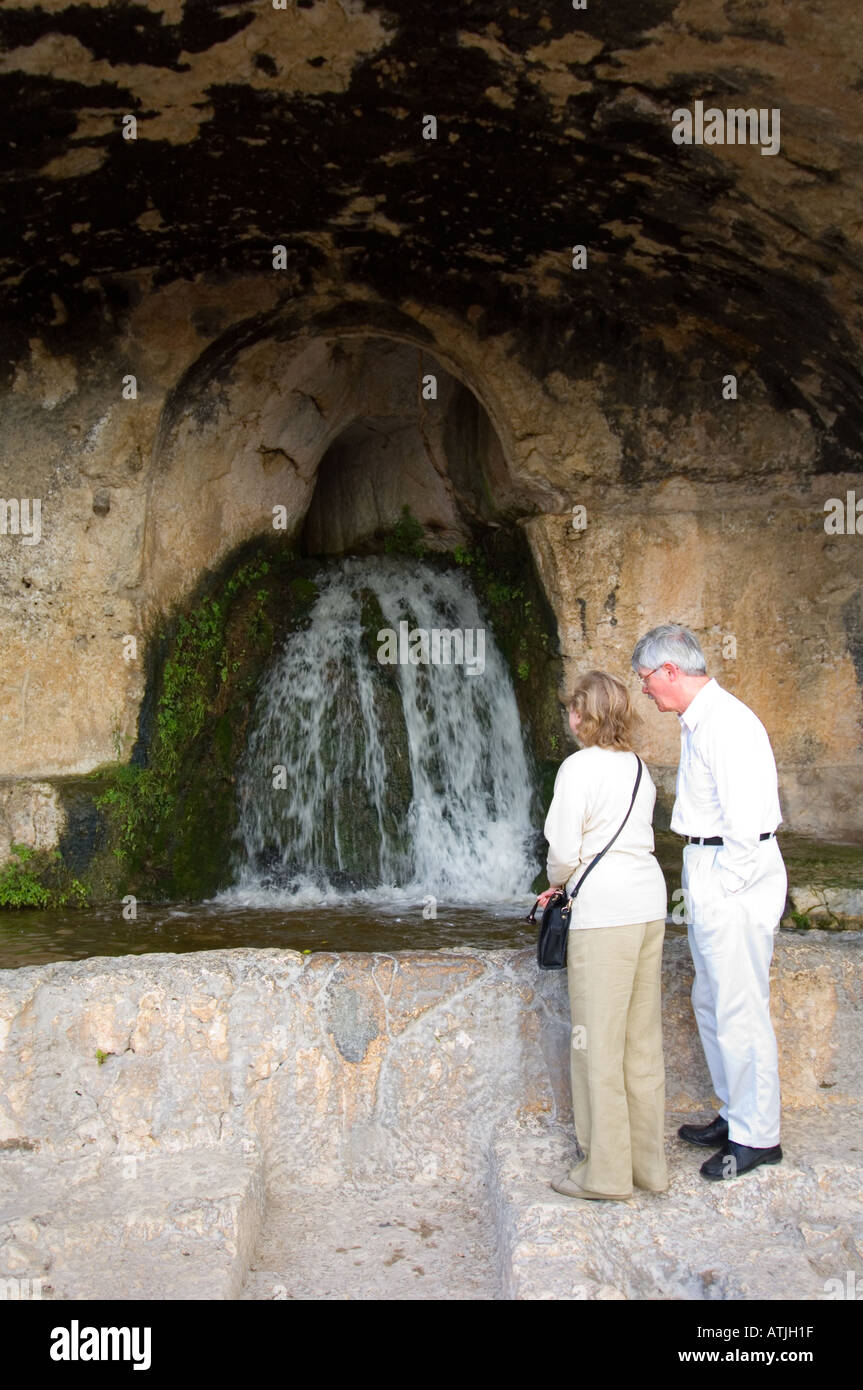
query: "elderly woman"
614, 953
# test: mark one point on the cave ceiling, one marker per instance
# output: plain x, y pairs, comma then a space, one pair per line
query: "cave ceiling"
303, 126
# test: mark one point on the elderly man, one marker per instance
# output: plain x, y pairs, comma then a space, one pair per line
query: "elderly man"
734, 885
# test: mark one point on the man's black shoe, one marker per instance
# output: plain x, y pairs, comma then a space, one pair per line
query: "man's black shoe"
733, 1160
705, 1136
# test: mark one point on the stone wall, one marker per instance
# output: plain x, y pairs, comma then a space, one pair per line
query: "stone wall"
601, 388
747, 565
359, 1066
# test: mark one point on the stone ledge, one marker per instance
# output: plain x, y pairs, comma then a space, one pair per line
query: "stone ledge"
437, 1073
778, 1233
316, 1059
179, 1226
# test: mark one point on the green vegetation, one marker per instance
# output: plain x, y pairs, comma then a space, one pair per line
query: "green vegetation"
158, 820
801, 920
304, 590
186, 681
19, 887
143, 799
483, 573
503, 578
822, 918
407, 536
38, 878
171, 813
502, 575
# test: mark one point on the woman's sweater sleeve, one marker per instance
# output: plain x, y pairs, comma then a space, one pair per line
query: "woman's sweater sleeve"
565, 820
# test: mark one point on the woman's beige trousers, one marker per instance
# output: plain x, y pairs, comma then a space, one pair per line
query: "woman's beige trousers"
617, 1067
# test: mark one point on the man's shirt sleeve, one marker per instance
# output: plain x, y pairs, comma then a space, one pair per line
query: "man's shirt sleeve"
564, 822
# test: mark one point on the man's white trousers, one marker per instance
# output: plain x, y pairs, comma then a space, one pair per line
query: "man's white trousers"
731, 938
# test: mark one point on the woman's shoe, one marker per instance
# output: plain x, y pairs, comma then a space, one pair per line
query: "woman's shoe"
567, 1188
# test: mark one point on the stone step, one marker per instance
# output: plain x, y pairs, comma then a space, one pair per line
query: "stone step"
421, 1240
778, 1233
167, 1226
191, 1225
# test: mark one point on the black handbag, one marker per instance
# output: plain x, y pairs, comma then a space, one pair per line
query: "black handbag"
554, 929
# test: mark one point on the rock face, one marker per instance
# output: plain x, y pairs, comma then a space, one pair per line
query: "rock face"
229, 1079
318, 1059
297, 382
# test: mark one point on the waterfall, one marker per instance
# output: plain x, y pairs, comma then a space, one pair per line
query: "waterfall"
373, 776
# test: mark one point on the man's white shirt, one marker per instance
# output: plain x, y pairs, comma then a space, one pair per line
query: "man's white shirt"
726, 782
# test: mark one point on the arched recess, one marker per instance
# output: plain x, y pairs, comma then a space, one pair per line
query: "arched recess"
333, 428
248, 434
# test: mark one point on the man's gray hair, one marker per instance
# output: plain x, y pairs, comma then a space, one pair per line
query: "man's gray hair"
673, 643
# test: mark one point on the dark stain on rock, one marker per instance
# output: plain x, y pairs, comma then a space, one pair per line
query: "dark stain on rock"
351, 1022
124, 34
477, 211
384, 317
852, 617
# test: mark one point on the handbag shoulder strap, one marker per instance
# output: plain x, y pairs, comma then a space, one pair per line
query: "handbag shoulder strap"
593, 863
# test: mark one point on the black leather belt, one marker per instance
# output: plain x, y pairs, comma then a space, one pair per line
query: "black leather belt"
718, 840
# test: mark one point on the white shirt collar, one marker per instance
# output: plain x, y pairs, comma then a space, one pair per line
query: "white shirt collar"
699, 704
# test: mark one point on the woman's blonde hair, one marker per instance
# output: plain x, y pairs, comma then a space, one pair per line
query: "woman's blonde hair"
608, 716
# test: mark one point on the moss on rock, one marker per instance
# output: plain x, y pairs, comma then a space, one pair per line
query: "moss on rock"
171, 810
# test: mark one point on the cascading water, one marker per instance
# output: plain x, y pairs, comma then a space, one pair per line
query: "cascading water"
387, 780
